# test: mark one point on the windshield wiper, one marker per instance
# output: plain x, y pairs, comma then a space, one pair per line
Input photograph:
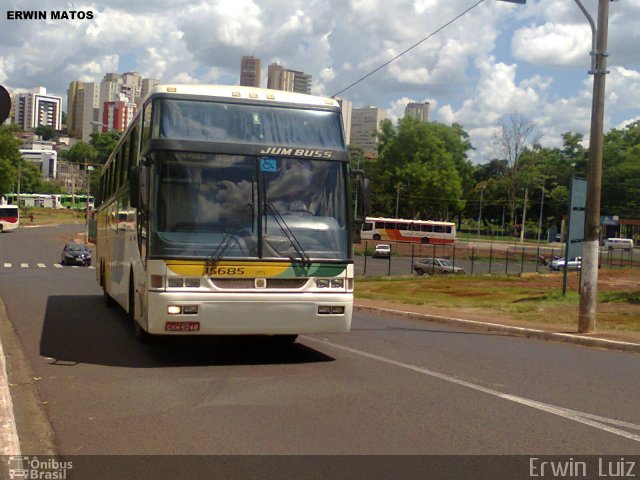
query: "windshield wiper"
302, 256
222, 247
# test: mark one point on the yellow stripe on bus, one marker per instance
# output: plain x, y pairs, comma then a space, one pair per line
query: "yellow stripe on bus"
228, 269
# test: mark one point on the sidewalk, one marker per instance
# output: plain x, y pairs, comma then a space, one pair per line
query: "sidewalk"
485, 320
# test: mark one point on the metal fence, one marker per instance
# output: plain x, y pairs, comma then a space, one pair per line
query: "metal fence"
481, 258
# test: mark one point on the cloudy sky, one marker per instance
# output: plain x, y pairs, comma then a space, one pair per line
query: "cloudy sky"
497, 59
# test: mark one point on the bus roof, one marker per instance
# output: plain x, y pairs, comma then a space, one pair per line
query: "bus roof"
404, 220
247, 93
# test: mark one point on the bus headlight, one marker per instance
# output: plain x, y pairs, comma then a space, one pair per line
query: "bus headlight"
330, 283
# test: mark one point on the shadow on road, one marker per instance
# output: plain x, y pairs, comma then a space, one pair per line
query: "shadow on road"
81, 329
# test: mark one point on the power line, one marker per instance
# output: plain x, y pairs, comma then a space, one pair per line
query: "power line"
410, 48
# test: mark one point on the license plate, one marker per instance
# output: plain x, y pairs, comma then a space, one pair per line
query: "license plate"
182, 326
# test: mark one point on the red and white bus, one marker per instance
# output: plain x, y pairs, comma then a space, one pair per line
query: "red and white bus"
9, 217
400, 230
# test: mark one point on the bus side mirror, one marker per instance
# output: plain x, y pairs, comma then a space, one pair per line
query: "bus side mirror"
134, 187
363, 195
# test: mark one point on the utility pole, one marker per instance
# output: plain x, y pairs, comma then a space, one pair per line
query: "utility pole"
589, 274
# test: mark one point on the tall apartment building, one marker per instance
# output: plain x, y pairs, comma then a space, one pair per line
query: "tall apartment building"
280, 78
419, 111
131, 85
74, 108
92, 103
37, 108
147, 85
90, 98
117, 115
250, 71
365, 124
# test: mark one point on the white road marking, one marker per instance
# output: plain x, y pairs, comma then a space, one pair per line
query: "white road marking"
579, 417
24, 265
7, 265
57, 265
42, 265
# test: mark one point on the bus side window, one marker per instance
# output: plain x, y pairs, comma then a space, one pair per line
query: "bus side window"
426, 228
367, 227
380, 225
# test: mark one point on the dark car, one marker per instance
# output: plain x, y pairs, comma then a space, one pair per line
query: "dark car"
76, 254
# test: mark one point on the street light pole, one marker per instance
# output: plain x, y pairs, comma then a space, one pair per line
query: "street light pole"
86, 214
590, 252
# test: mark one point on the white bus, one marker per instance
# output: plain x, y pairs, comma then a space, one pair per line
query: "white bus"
225, 210
9, 217
400, 230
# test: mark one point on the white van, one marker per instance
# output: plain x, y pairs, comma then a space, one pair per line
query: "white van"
618, 243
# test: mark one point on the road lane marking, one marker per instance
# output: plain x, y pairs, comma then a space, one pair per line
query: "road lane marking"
24, 265
41, 265
57, 265
574, 415
7, 265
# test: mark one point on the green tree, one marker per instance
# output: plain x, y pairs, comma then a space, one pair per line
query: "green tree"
81, 152
427, 163
10, 159
621, 172
47, 133
104, 143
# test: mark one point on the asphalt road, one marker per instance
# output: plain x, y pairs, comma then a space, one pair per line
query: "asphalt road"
391, 386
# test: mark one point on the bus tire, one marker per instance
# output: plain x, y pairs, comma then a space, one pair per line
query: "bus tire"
377, 237
110, 302
141, 335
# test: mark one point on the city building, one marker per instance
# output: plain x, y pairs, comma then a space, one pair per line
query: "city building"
89, 97
280, 78
117, 115
44, 157
131, 86
250, 71
87, 102
37, 108
419, 111
365, 125
74, 108
147, 85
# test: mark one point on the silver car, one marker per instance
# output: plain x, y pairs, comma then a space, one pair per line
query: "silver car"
435, 265
574, 263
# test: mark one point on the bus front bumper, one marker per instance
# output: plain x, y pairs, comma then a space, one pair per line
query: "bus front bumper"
248, 314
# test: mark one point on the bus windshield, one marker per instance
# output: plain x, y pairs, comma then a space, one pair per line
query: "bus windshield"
248, 207
247, 124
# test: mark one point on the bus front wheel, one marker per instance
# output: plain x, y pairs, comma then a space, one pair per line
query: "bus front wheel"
140, 333
377, 237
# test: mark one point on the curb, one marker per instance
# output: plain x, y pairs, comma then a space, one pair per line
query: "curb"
9, 442
574, 338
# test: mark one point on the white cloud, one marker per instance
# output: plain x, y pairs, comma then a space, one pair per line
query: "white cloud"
495, 60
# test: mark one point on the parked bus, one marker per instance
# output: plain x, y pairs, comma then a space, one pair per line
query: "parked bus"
400, 230
225, 210
9, 217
